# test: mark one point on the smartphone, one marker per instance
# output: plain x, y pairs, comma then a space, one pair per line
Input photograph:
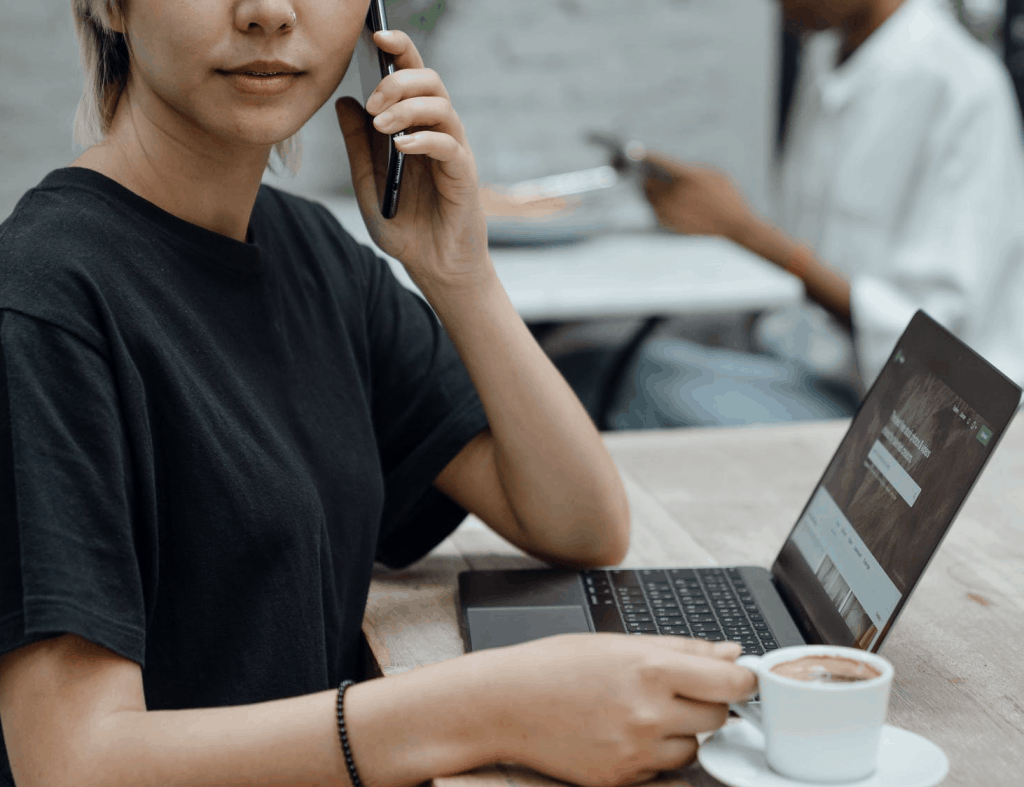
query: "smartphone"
626, 157
374, 65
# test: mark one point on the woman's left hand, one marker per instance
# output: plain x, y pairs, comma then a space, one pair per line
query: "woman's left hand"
439, 232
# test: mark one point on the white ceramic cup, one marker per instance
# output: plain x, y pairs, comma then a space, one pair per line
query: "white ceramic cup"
818, 731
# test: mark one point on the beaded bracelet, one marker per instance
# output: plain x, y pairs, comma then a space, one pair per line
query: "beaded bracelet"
353, 774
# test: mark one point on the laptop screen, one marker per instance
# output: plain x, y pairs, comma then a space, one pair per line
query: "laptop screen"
893, 487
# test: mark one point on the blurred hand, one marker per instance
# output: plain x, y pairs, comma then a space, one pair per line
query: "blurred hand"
695, 200
439, 233
610, 709
498, 203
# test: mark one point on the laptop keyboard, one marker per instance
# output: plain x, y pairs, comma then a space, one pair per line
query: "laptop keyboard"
707, 603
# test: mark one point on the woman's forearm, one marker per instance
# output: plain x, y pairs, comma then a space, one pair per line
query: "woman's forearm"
557, 474
403, 730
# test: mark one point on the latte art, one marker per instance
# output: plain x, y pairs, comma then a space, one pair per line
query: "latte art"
826, 669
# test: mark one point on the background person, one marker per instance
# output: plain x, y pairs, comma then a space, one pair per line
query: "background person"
216, 410
902, 181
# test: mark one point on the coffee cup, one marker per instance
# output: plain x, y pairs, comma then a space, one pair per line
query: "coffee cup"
821, 710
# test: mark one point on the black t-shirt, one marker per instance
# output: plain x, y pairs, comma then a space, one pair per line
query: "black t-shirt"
205, 444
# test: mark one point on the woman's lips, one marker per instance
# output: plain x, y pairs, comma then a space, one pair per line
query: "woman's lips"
257, 83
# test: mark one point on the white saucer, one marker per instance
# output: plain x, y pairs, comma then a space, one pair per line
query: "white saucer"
735, 756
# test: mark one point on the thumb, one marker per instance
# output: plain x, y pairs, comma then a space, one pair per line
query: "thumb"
662, 167
355, 128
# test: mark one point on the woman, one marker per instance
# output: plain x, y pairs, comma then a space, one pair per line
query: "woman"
219, 410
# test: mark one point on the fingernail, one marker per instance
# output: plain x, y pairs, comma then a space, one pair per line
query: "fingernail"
383, 120
731, 649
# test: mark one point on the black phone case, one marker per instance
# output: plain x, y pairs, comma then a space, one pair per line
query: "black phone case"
376, 19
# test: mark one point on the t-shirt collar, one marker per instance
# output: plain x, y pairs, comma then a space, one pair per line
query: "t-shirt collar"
244, 257
837, 84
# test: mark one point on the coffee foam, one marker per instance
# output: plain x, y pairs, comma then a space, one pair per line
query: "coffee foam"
826, 669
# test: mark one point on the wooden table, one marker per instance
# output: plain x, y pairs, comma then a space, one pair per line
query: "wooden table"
708, 496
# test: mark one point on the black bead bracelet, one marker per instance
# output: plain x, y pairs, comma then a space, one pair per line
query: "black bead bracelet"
353, 774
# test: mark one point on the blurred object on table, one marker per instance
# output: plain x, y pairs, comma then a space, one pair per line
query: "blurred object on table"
570, 206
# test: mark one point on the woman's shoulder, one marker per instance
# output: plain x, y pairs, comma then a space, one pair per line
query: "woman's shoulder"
73, 219
58, 234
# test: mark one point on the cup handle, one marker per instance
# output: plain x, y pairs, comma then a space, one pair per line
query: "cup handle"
745, 710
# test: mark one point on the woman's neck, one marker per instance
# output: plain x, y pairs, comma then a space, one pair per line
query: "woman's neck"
210, 186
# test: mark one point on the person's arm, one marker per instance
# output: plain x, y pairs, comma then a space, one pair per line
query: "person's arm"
703, 201
606, 709
823, 284
541, 475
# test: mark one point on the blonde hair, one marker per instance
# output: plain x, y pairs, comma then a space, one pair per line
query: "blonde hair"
106, 60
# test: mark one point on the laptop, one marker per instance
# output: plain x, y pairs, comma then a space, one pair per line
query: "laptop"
886, 499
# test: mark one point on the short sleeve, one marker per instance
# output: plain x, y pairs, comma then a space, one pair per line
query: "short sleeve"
67, 561
425, 409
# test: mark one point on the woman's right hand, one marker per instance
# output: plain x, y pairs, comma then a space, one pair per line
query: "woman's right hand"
610, 709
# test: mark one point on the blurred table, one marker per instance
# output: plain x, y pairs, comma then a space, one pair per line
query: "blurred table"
622, 274
704, 496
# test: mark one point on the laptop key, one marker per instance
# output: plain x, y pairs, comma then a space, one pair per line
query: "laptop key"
641, 627
769, 644
624, 577
743, 640
752, 650
606, 618
678, 631
705, 627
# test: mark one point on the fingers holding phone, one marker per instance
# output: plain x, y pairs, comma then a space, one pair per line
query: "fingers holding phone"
419, 134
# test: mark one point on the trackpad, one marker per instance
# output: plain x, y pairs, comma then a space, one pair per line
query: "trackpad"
494, 627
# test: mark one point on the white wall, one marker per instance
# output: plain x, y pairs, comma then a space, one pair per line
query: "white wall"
692, 77
39, 90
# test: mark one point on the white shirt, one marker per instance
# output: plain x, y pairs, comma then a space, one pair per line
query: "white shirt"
904, 169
